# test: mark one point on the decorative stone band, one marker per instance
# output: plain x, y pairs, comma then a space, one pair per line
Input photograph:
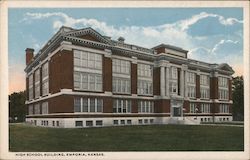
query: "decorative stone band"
96, 115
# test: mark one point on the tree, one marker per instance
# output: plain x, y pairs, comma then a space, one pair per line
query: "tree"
238, 98
17, 107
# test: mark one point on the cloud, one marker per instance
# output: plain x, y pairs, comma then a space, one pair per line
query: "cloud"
221, 43
220, 48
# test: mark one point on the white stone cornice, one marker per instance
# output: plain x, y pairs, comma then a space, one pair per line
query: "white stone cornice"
184, 67
198, 72
134, 60
66, 45
215, 74
107, 53
163, 63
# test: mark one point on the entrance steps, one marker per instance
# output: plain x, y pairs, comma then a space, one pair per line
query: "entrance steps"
181, 120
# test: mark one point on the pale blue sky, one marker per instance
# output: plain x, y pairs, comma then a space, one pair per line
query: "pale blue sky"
210, 34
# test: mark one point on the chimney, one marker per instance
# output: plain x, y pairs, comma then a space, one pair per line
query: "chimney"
29, 55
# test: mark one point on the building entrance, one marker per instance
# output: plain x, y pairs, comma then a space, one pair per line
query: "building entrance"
176, 112
176, 108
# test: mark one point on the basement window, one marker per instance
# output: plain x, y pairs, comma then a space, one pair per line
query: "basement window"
98, 123
140, 121
151, 121
123, 122
115, 122
129, 122
89, 123
78, 123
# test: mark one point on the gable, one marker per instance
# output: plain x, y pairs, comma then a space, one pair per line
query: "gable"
88, 34
225, 67
89, 37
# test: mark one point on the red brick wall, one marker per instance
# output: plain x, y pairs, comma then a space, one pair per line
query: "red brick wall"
107, 74
107, 105
41, 85
214, 87
230, 89
160, 50
162, 106
33, 75
61, 104
61, 71
186, 105
134, 106
89, 37
133, 78
179, 81
29, 55
27, 88
198, 93
156, 81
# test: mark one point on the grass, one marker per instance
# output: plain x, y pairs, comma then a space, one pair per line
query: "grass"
24, 138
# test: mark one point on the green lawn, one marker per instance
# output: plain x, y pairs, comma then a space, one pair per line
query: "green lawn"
24, 138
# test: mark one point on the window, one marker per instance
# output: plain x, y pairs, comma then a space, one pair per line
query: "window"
30, 109
223, 82
151, 121
87, 71
78, 123
173, 87
120, 66
88, 105
145, 70
145, 106
223, 94
87, 81
145, 121
191, 88
31, 87
191, 77
53, 123
121, 85
145, 87
191, 91
129, 122
45, 79
98, 123
122, 122
86, 59
192, 108
205, 93
224, 108
121, 76
57, 123
204, 80
89, 123
140, 121
45, 108
145, 79
205, 108
121, 106
115, 122
37, 108
37, 83
174, 73
77, 104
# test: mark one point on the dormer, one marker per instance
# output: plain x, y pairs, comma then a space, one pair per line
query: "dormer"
170, 50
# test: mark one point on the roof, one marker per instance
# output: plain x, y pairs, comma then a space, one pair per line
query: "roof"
170, 47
